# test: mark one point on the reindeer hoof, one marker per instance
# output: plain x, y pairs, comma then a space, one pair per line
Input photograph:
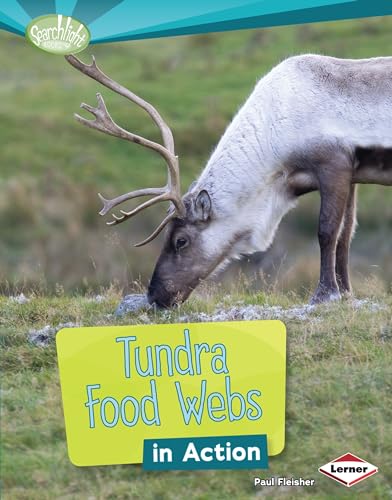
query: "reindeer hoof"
322, 295
347, 294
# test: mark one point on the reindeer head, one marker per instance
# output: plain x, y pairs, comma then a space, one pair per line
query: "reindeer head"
184, 260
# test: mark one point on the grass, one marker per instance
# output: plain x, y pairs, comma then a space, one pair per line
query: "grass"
338, 400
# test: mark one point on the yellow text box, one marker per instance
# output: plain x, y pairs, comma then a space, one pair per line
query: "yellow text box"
121, 385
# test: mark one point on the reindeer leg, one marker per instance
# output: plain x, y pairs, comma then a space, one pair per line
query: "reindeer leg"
343, 246
334, 186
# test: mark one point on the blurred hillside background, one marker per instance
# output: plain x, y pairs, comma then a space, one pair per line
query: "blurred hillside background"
51, 167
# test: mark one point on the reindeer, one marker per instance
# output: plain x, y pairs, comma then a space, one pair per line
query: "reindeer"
312, 123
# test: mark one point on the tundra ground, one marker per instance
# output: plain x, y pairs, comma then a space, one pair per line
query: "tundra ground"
339, 399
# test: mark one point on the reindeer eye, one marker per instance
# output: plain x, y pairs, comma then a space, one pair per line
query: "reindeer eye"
181, 243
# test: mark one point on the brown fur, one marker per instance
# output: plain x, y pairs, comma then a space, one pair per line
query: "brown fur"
334, 172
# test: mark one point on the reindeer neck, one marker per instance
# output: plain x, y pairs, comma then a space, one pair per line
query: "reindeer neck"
241, 163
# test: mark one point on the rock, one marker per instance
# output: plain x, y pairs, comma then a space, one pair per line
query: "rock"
239, 312
19, 299
132, 303
44, 336
368, 304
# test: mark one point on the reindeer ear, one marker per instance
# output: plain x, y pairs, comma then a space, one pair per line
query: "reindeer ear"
203, 206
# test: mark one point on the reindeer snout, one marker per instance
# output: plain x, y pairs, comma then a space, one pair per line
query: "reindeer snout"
159, 293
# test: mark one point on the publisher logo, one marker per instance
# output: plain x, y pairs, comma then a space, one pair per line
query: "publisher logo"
348, 469
58, 34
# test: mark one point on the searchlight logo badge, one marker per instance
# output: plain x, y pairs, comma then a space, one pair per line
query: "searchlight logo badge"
58, 34
348, 469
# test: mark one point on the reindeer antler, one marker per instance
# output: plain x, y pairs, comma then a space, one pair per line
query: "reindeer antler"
104, 123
